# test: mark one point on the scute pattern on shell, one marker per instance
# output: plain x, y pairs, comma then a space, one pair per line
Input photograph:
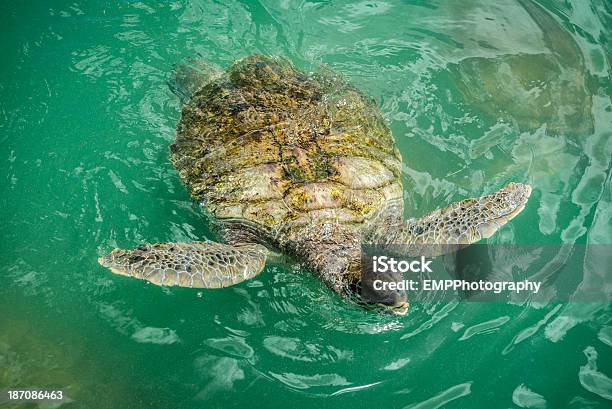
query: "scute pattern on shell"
279, 149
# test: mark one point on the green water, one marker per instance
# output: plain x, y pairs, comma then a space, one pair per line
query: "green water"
477, 93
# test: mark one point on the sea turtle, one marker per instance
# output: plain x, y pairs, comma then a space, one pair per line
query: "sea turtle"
548, 86
301, 164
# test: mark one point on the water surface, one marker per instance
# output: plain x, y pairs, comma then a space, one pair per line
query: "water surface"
477, 93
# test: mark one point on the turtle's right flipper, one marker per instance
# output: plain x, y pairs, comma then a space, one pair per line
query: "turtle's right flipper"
197, 264
190, 76
457, 225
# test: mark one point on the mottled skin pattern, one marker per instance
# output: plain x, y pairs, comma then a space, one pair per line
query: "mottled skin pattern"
303, 164
198, 264
445, 230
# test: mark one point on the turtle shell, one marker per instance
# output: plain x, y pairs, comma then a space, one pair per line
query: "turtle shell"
270, 145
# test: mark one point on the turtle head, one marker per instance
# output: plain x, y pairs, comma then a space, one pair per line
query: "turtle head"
334, 250
375, 290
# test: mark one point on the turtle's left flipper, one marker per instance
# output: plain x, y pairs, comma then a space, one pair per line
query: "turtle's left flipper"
197, 264
460, 224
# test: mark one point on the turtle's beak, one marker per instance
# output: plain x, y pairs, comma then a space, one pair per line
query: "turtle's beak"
402, 309
103, 261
